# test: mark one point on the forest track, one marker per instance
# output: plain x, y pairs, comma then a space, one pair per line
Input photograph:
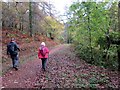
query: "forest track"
64, 70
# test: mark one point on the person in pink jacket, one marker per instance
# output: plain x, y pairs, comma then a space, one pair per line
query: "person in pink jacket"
43, 54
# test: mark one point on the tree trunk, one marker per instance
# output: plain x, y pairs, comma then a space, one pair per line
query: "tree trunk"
118, 51
22, 23
20, 26
30, 18
89, 30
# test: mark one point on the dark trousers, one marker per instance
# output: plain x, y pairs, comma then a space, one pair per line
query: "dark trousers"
15, 60
44, 62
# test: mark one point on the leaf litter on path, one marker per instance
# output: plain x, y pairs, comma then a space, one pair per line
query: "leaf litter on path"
64, 70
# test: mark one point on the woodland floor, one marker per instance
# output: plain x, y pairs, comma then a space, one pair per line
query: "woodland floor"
64, 70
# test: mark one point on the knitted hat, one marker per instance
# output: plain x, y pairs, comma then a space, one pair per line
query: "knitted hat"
43, 43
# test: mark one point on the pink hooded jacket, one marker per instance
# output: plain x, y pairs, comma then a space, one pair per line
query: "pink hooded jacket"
45, 51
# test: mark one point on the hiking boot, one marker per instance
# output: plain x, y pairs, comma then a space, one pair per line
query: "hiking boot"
16, 68
43, 69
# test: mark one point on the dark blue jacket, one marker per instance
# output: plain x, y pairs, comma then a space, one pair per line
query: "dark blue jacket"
15, 48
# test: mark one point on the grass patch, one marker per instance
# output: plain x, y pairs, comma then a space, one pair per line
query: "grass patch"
93, 80
11, 35
84, 75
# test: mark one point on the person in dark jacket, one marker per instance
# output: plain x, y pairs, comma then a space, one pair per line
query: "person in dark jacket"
12, 50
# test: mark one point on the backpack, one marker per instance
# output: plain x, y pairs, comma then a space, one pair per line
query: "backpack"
42, 52
11, 49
